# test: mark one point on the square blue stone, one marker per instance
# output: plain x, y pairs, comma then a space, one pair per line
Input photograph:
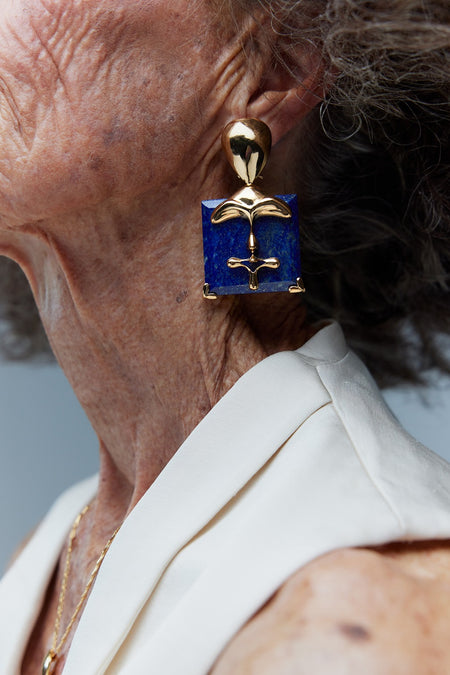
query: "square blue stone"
277, 237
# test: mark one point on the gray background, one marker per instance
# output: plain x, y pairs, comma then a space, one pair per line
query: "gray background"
46, 443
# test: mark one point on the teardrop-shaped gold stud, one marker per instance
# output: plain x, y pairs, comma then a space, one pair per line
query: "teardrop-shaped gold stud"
247, 144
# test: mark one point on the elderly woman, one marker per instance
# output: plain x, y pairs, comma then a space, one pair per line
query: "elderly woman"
251, 478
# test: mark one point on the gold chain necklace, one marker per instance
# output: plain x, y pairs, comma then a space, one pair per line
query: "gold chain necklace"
52, 655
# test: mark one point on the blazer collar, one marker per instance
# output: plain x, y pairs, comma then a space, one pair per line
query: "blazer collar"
237, 437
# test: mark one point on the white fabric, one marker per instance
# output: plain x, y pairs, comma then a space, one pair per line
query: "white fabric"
299, 458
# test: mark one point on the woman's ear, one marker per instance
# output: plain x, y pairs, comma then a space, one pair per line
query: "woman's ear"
285, 96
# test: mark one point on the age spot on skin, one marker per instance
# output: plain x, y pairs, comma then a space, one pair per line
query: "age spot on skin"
354, 632
117, 133
181, 297
95, 162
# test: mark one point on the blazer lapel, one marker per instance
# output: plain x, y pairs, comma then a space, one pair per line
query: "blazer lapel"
311, 501
221, 455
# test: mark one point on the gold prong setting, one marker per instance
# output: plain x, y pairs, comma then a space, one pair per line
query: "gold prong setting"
207, 294
298, 287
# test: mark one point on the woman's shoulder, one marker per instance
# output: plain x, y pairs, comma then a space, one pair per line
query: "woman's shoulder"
353, 610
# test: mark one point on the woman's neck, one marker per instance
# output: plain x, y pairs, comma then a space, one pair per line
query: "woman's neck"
121, 299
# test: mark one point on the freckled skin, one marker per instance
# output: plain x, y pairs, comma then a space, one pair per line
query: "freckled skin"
110, 118
357, 611
74, 71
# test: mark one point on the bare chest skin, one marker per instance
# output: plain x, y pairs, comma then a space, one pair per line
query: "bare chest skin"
88, 543
41, 637
352, 611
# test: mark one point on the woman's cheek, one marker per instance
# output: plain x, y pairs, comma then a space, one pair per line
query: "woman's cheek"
56, 124
96, 103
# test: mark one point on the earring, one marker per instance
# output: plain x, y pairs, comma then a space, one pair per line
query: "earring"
257, 225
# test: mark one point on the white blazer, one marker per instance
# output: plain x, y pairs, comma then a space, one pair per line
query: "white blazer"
300, 457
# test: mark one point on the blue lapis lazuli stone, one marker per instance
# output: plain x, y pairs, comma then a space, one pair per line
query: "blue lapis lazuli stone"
277, 237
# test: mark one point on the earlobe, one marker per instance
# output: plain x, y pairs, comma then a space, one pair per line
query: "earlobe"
283, 109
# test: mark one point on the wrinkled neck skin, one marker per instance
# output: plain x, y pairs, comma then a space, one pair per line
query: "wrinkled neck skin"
109, 140
119, 290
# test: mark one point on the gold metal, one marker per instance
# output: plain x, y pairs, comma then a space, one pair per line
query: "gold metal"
207, 293
298, 287
247, 144
272, 263
49, 663
52, 655
250, 203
